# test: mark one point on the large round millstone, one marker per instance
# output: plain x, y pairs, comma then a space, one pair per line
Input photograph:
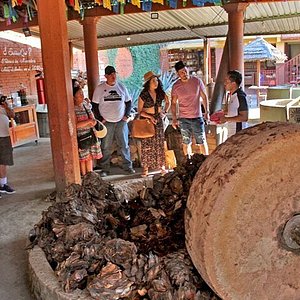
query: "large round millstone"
242, 217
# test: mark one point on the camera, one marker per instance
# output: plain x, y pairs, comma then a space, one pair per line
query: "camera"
2, 99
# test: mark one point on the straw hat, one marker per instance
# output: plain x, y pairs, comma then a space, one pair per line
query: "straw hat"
101, 130
149, 75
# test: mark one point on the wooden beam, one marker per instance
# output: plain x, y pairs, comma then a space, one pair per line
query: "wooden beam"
255, 20
19, 24
235, 34
129, 8
56, 62
91, 53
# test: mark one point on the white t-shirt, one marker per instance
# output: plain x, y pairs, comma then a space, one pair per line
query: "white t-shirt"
4, 122
111, 100
233, 105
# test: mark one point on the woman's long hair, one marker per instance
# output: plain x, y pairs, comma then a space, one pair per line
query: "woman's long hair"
75, 86
159, 90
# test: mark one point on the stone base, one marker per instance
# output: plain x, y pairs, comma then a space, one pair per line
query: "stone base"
43, 282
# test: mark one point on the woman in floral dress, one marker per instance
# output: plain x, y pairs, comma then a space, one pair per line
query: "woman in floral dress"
85, 120
150, 105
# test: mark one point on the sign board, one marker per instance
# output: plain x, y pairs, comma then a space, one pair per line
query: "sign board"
18, 59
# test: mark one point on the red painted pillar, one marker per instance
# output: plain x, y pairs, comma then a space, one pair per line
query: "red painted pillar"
236, 34
91, 52
71, 55
56, 62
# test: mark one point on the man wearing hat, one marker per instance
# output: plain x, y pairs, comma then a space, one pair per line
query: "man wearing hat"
187, 93
112, 105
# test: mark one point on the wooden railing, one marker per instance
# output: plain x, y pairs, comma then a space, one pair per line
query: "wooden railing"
289, 72
268, 78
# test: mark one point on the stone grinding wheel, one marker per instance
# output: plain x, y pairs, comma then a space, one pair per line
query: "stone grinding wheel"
243, 215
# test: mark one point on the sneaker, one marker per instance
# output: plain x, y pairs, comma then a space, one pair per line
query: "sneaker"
6, 189
130, 171
103, 174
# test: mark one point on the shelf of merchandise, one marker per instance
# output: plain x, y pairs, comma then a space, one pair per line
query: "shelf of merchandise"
191, 57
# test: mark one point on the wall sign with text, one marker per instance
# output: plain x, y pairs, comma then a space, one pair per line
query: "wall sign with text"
19, 59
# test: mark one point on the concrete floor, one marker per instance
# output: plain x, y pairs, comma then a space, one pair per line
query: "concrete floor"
32, 178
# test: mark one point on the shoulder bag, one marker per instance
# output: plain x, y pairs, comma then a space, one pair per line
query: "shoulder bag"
88, 139
143, 128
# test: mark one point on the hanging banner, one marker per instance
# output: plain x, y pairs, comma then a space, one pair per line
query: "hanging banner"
11, 7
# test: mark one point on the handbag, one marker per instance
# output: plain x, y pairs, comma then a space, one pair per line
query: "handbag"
142, 128
86, 140
100, 130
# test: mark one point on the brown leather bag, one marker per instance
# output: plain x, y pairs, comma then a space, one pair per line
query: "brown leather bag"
142, 128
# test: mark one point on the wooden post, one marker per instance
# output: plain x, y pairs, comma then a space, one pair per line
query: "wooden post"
258, 72
218, 93
207, 60
91, 53
236, 35
56, 62
71, 55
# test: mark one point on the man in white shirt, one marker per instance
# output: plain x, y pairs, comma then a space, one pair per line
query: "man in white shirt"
112, 105
6, 156
236, 103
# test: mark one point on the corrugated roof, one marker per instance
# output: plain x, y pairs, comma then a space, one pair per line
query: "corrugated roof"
259, 49
184, 24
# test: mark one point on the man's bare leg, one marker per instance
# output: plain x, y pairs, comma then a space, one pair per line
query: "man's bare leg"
3, 171
202, 148
187, 150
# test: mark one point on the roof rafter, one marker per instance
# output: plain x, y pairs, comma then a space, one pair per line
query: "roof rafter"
271, 18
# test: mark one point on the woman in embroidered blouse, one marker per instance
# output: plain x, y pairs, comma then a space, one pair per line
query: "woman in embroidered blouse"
84, 122
150, 106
